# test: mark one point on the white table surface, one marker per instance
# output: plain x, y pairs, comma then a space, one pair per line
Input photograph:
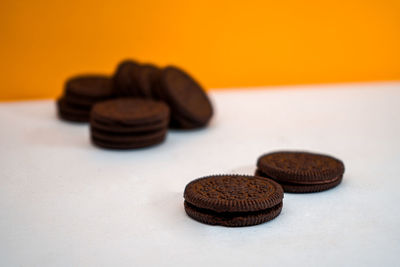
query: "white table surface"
64, 202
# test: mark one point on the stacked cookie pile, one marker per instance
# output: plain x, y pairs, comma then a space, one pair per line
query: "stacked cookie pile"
135, 106
80, 94
128, 123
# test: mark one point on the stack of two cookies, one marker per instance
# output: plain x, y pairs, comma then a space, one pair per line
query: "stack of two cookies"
128, 123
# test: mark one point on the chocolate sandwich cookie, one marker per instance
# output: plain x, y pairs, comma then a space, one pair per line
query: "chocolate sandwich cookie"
124, 79
301, 172
116, 128
233, 200
80, 94
126, 123
189, 103
124, 138
70, 112
86, 90
132, 79
145, 80
120, 145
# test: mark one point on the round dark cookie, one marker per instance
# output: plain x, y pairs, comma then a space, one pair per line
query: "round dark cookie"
118, 128
233, 200
124, 79
183, 124
130, 111
71, 118
71, 113
145, 80
83, 102
126, 138
304, 188
78, 102
233, 193
300, 167
65, 106
89, 87
186, 98
128, 145
296, 188
232, 219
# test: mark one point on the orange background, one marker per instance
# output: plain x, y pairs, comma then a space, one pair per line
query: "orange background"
222, 43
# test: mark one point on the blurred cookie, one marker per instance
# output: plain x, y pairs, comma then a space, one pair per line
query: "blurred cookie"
132, 79
80, 94
124, 79
126, 123
189, 103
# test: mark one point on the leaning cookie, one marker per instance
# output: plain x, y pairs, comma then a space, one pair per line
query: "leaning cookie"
132, 79
124, 81
233, 200
301, 172
189, 103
